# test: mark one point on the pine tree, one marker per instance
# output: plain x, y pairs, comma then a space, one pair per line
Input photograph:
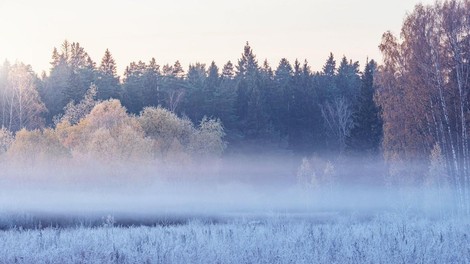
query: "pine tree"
108, 65
57, 84
348, 80
367, 133
327, 81
152, 95
282, 97
251, 99
304, 118
211, 89
72, 72
227, 95
228, 71
82, 73
196, 100
177, 70
133, 88
108, 81
329, 69
55, 58
174, 86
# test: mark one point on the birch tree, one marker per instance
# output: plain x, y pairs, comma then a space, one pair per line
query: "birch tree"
338, 117
21, 105
423, 90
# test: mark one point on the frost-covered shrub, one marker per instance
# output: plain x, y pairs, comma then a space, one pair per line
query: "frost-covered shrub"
165, 127
207, 140
316, 173
437, 176
36, 146
108, 134
74, 112
437, 181
306, 176
177, 139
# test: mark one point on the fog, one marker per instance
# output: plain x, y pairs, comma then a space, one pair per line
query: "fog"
236, 186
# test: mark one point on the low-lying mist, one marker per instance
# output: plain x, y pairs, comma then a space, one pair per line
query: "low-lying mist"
245, 186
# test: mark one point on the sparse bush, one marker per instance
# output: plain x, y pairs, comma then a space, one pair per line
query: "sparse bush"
207, 140
436, 180
316, 173
306, 176
437, 176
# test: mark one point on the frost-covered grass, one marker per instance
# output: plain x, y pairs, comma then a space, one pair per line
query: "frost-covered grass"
384, 239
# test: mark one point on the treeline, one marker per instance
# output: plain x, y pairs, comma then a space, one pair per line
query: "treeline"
287, 107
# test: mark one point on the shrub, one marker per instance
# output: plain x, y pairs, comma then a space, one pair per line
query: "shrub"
207, 140
35, 146
165, 127
107, 134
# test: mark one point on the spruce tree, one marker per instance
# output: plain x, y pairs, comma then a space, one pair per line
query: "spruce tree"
195, 100
329, 69
367, 134
152, 82
348, 80
226, 94
251, 99
134, 86
108, 81
281, 102
327, 80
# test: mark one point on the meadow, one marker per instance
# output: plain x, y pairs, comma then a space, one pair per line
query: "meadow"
323, 238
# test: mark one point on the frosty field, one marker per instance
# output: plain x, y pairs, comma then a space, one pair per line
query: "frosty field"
228, 223
386, 238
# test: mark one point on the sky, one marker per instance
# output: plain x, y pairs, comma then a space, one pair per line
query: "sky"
199, 30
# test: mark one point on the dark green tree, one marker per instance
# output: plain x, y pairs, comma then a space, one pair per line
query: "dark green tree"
327, 80
366, 136
224, 105
152, 84
212, 91
108, 80
173, 87
72, 72
304, 117
348, 80
281, 99
251, 106
133, 97
195, 100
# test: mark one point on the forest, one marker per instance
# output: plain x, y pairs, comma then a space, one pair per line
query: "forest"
248, 162
410, 112
288, 107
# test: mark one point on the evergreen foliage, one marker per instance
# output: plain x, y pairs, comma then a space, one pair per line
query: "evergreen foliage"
366, 135
256, 104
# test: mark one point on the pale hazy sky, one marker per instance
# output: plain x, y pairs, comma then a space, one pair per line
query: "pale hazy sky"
199, 30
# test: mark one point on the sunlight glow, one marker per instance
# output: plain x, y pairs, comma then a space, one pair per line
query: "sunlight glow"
203, 31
